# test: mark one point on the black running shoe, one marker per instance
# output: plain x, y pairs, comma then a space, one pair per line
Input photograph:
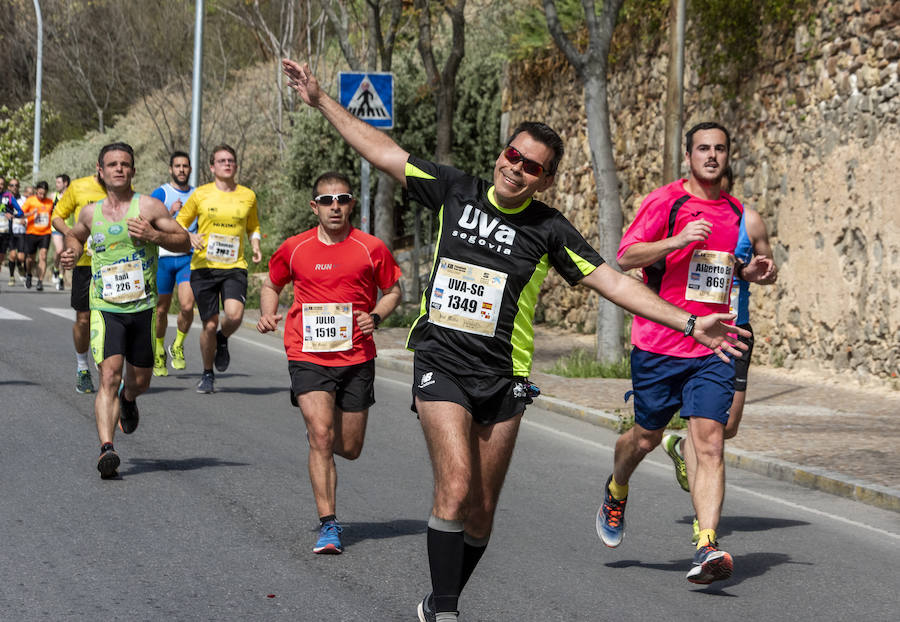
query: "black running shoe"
108, 462
128, 415
207, 383
425, 610
222, 356
27, 281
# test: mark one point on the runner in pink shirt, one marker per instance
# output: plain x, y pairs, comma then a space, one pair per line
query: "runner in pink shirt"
683, 237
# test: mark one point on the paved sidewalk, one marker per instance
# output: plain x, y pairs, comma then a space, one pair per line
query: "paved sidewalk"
816, 433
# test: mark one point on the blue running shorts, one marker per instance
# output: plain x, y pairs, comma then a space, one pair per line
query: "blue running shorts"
172, 269
662, 384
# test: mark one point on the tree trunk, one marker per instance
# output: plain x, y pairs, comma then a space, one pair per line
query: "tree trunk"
610, 317
384, 209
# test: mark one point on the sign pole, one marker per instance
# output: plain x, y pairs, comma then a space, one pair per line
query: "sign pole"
364, 218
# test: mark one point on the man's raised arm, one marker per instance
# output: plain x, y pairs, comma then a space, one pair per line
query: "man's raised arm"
372, 144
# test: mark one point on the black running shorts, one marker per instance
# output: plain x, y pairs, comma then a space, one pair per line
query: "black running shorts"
34, 242
130, 334
489, 399
214, 285
353, 385
81, 288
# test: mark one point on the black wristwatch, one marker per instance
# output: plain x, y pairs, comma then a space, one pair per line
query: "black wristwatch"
689, 327
375, 318
739, 270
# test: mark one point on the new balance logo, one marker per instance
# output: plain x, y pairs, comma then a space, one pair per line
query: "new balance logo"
426, 379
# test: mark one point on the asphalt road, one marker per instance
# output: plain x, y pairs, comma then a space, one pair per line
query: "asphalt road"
213, 519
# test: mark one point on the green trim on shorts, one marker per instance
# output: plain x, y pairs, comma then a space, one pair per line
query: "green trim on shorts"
522, 337
98, 335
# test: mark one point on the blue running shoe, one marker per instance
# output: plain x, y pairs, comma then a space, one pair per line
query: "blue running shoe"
710, 564
329, 542
611, 519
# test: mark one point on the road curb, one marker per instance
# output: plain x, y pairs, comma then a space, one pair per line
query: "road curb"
809, 477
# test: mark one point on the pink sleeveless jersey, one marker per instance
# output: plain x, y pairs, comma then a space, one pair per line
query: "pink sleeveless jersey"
696, 278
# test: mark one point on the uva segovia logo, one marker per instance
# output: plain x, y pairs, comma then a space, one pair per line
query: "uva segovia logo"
484, 230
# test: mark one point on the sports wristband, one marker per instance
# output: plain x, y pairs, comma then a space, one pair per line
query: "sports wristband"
689, 327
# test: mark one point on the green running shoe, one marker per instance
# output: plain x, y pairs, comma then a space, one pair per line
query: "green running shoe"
670, 444
159, 363
177, 354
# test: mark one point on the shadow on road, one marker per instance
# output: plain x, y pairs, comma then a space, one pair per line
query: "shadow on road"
136, 466
731, 524
746, 567
358, 532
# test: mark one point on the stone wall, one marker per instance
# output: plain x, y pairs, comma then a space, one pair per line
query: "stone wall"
816, 151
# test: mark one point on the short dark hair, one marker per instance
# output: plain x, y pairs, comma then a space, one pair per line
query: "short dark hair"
217, 149
115, 147
706, 125
65, 178
542, 133
179, 154
330, 176
42, 184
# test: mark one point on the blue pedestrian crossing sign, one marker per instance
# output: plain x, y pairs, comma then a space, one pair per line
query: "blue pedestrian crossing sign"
369, 97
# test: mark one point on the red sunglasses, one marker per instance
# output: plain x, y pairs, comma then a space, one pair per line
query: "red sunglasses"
529, 166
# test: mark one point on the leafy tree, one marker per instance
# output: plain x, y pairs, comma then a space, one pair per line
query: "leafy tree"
17, 138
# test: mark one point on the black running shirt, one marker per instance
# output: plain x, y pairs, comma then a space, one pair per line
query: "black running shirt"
478, 307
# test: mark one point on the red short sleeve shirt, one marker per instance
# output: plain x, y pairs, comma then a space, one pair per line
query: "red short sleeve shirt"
349, 272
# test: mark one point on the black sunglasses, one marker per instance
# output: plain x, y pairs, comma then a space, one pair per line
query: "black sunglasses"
529, 166
328, 199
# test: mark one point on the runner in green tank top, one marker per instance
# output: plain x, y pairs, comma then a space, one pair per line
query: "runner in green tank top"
123, 269
126, 230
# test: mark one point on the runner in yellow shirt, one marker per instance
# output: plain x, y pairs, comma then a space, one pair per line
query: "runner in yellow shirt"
226, 212
81, 192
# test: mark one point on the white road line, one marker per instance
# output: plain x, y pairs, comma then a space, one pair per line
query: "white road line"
9, 314
668, 467
255, 342
67, 313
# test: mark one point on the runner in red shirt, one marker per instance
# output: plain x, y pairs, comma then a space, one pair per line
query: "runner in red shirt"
336, 271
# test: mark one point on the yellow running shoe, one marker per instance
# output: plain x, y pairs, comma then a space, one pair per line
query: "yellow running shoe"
177, 354
159, 363
670, 444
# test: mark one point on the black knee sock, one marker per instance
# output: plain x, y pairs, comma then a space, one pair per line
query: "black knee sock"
445, 558
12, 268
473, 549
